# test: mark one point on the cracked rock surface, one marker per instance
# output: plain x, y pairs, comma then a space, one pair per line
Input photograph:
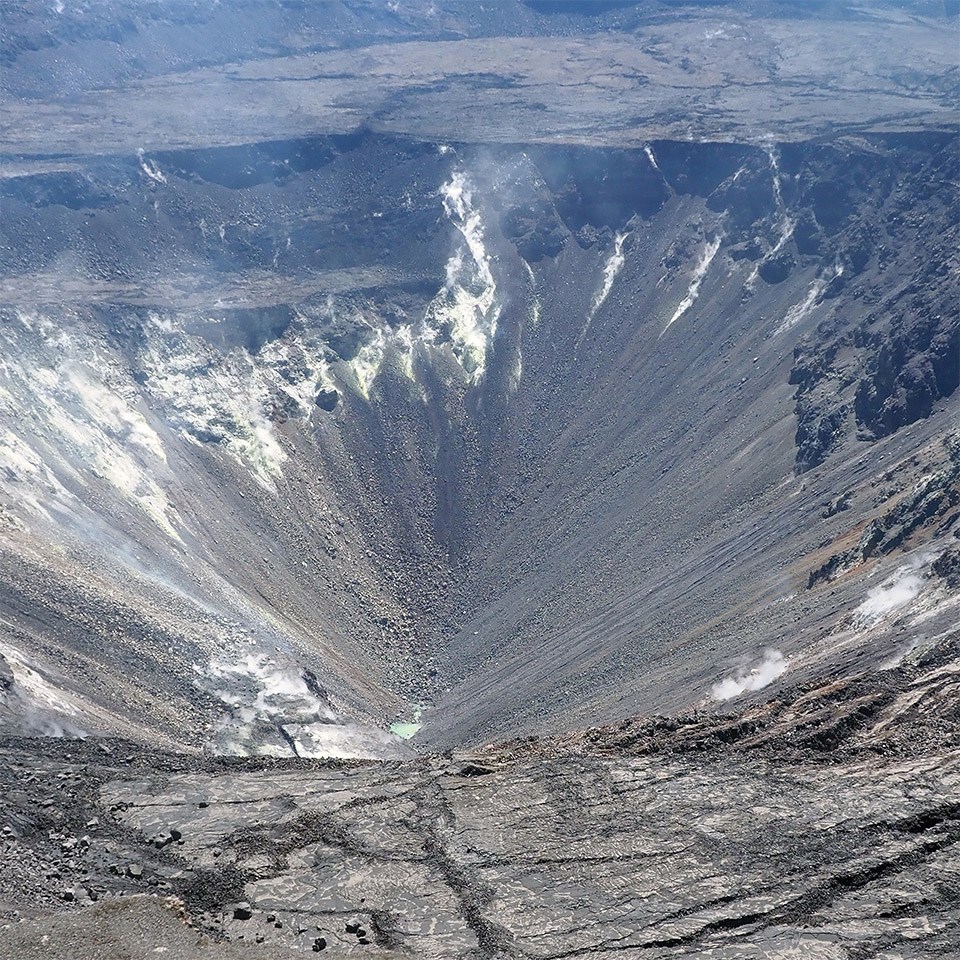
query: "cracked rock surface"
821, 824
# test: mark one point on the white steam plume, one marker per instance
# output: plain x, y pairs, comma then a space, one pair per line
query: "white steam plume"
611, 268
895, 592
280, 711
787, 223
757, 677
699, 272
467, 308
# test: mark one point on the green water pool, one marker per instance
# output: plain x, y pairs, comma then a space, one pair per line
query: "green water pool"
405, 729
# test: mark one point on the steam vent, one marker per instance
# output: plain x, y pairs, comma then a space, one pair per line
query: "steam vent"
479, 479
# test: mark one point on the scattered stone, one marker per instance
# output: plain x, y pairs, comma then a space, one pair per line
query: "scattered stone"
319, 944
242, 911
327, 400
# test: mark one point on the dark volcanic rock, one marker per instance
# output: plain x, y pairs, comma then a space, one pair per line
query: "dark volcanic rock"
6, 676
912, 368
242, 911
947, 566
893, 366
776, 269
931, 507
327, 400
